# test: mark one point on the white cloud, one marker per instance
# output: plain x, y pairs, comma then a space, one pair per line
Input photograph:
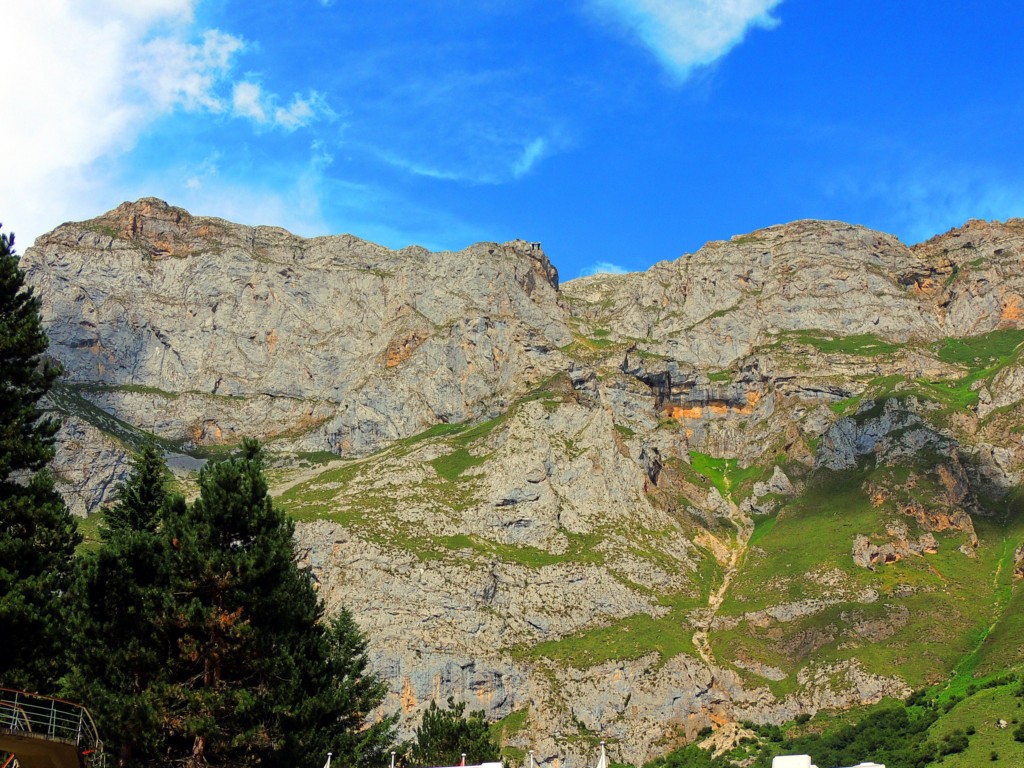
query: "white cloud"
532, 152
302, 111
178, 73
687, 34
249, 100
93, 76
603, 268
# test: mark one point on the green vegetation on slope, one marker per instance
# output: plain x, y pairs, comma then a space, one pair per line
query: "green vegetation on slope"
732, 481
864, 344
629, 638
921, 615
979, 715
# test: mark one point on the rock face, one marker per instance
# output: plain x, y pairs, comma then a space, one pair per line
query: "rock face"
716, 306
335, 340
630, 506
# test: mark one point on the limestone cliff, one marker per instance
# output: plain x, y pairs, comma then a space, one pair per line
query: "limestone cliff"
778, 475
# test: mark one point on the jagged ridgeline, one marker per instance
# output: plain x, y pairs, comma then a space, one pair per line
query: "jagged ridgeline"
778, 475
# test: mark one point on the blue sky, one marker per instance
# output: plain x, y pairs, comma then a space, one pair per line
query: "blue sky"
617, 132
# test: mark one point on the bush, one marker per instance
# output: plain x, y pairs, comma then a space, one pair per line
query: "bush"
953, 743
918, 698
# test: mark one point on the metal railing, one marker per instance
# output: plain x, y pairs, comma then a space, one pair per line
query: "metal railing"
45, 717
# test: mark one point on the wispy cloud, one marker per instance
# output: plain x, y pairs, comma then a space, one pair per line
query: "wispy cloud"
919, 202
416, 168
250, 101
687, 34
478, 126
532, 153
603, 268
500, 164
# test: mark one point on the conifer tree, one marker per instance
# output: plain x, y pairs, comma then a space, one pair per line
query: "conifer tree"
256, 679
344, 692
119, 602
140, 498
444, 735
38, 535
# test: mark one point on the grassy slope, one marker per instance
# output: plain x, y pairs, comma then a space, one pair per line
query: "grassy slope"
981, 711
963, 613
951, 598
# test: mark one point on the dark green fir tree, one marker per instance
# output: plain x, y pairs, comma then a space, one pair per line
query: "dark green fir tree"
38, 535
256, 678
444, 735
119, 603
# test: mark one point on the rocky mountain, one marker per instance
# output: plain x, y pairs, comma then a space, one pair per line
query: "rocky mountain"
776, 476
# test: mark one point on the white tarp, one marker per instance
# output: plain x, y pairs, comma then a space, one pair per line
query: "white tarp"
792, 761
804, 761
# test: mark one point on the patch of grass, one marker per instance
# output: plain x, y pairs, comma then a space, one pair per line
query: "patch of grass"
133, 388
590, 348
438, 430
877, 388
947, 600
980, 351
763, 526
731, 480
983, 356
717, 314
511, 724
90, 527
310, 499
718, 377
623, 430
452, 465
629, 638
316, 457
715, 470
861, 345
104, 229
1001, 646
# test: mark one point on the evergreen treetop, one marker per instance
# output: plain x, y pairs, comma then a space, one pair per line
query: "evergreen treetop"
140, 497
38, 536
117, 621
255, 678
444, 735
26, 435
